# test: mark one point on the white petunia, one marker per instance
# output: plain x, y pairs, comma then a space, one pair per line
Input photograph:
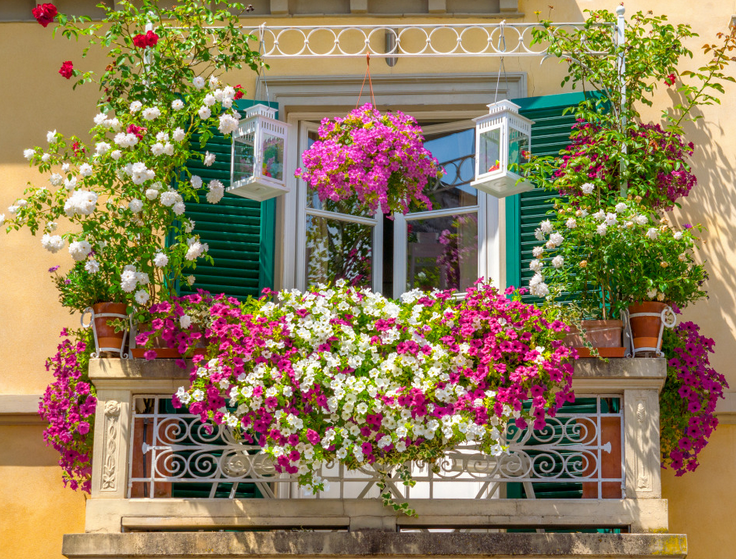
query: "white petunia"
204, 113
178, 135
160, 260
52, 243
152, 113
196, 181
652, 233
558, 261
85, 169
177, 104
587, 188
209, 159
216, 191
198, 82
228, 124
79, 250
135, 106
92, 266
51, 137
185, 321
602, 229
135, 205
142, 296
28, 154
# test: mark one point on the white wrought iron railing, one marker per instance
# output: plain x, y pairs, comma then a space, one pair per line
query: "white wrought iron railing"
578, 454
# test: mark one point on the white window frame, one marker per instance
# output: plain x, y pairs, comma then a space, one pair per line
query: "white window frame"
427, 97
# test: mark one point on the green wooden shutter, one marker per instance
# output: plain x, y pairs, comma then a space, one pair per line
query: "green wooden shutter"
239, 232
524, 212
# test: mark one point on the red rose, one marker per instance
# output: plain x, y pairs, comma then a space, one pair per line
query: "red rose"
138, 131
670, 80
238, 92
148, 40
67, 69
45, 13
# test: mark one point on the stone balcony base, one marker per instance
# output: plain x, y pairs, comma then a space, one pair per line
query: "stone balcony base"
216, 545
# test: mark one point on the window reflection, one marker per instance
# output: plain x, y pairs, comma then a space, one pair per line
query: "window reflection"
442, 252
338, 250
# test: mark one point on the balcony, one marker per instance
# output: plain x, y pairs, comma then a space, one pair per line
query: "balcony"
588, 485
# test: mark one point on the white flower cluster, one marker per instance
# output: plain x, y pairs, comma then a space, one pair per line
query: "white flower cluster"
81, 202
79, 250
216, 191
52, 243
196, 249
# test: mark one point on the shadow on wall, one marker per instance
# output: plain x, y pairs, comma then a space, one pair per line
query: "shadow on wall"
711, 204
23, 445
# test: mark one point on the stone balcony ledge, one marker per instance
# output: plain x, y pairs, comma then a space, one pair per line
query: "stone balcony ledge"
221, 545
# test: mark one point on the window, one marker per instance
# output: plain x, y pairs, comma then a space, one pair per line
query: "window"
439, 247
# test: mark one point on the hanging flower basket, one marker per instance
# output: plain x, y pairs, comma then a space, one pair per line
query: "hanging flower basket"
380, 159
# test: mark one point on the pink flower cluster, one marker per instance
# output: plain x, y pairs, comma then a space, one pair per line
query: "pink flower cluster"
69, 404
378, 158
689, 397
345, 374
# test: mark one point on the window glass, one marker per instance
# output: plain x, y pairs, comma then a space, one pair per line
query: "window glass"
442, 252
456, 153
338, 250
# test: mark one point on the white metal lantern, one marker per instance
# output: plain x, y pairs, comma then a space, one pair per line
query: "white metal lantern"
258, 156
502, 142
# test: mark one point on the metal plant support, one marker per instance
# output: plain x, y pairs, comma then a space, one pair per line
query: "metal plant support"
98, 349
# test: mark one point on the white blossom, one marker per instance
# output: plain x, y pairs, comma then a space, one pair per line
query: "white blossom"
611, 219
209, 100
587, 188
101, 148
536, 265
602, 229
162, 137
46, 157
2, 219
196, 181
142, 278
620, 207
169, 149
135, 106
52, 243
128, 281
228, 124
50, 226
641, 220
28, 154
65, 168
556, 239
160, 260
152, 113
204, 113
196, 249
157, 149
537, 251
92, 266
178, 134
135, 205
80, 202
169, 198
546, 226
100, 118
537, 287
185, 321
214, 82
198, 82
558, 261
571, 223
190, 280
652, 233
209, 159
179, 208
151, 193
51, 137
216, 191
85, 169
652, 294
678, 235
142, 296
55, 179
117, 154
79, 250
177, 104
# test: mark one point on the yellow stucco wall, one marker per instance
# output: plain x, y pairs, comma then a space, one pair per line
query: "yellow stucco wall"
36, 511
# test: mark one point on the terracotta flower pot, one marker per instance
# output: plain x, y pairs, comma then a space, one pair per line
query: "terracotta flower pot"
107, 338
604, 335
646, 327
163, 351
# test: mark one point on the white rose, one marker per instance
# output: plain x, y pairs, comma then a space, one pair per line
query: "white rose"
151, 193
620, 207
177, 104
46, 157
228, 124
571, 223
196, 181
209, 100
204, 113
601, 229
678, 235
587, 188
28, 154
558, 261
79, 250
92, 266
209, 159
546, 226
198, 82
141, 297
536, 265
190, 280
51, 137
160, 260
117, 154
135, 205
52, 243
151, 113
178, 135
652, 233
85, 170
135, 106
179, 208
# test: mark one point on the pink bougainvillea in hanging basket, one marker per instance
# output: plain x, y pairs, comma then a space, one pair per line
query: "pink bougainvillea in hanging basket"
377, 159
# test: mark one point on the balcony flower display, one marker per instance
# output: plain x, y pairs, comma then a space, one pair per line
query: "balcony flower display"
345, 374
377, 158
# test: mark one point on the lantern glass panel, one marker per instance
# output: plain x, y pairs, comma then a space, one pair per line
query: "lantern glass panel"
489, 151
244, 158
518, 149
273, 157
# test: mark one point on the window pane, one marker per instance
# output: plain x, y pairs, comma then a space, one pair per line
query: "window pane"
338, 250
490, 151
456, 153
273, 157
442, 252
